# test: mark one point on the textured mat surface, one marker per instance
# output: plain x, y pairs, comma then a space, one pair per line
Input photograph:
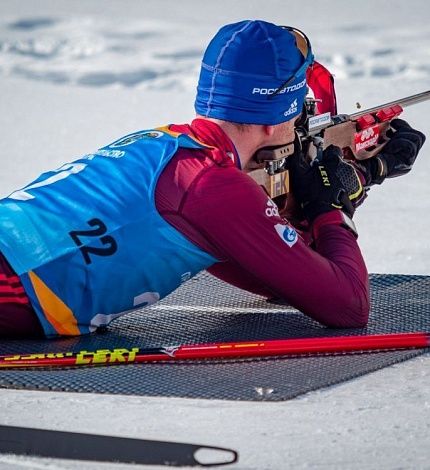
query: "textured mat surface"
207, 310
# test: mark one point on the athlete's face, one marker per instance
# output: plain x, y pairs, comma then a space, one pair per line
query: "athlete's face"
283, 133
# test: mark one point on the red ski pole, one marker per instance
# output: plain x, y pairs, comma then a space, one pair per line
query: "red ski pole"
279, 347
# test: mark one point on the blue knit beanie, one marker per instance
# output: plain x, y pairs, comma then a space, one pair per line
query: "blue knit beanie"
243, 66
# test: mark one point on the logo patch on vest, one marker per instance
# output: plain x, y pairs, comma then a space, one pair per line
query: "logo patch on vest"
132, 138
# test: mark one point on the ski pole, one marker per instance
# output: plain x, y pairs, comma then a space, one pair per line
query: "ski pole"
263, 348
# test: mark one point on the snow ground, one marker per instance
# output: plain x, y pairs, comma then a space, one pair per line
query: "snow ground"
75, 75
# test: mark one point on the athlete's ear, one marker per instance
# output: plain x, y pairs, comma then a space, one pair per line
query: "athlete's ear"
269, 130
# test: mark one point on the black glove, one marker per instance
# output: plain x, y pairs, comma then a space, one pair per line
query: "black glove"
326, 184
397, 156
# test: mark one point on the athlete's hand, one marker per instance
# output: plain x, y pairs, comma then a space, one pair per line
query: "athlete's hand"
398, 155
326, 184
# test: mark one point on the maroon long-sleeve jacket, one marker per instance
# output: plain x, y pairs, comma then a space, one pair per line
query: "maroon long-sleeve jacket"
205, 195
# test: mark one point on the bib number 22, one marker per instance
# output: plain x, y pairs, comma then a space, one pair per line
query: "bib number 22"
109, 245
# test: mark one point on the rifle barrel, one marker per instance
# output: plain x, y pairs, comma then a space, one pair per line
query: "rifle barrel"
403, 102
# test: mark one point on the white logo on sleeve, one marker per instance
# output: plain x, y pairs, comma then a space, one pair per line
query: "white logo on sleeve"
287, 234
271, 209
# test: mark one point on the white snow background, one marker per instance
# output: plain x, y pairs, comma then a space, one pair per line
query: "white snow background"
75, 75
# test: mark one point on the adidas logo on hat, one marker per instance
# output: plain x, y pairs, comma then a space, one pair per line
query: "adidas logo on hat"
292, 109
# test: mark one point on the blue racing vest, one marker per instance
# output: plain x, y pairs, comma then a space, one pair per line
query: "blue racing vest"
87, 241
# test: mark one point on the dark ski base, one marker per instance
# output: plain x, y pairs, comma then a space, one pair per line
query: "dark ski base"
70, 445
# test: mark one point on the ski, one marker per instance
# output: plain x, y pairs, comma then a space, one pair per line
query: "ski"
256, 348
101, 448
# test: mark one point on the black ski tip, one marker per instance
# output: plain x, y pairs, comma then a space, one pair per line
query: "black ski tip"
102, 448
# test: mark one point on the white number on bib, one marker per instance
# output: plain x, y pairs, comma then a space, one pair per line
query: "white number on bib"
62, 172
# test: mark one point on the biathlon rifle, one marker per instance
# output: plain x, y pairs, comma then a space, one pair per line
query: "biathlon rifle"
360, 135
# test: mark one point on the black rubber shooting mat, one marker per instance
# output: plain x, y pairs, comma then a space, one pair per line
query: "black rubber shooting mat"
207, 310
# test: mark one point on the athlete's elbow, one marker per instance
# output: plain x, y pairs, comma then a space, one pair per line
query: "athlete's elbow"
348, 311
357, 319
353, 312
